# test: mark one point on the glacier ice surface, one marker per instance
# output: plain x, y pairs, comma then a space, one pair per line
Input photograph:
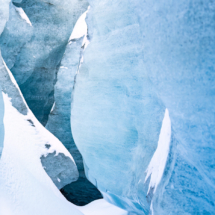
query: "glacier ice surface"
144, 57
116, 114
82, 191
38, 61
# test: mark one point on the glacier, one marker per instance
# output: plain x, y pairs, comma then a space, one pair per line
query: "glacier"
82, 191
143, 58
25, 187
40, 48
18, 42
127, 102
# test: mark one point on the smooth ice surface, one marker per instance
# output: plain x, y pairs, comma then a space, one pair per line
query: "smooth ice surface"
25, 188
116, 115
143, 57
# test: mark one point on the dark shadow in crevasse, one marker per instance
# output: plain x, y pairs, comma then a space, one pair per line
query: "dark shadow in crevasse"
81, 192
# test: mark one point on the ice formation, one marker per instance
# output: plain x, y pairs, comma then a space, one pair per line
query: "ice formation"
144, 57
61, 166
116, 115
80, 192
37, 63
140, 98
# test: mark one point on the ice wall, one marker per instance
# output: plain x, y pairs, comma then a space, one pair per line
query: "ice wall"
144, 57
17, 32
82, 191
116, 115
38, 59
59, 117
179, 41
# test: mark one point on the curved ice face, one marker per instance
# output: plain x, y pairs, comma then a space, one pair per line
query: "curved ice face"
38, 61
179, 41
145, 56
82, 191
59, 117
116, 114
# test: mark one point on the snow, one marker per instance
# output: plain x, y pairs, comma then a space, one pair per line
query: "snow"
80, 28
158, 161
25, 188
43, 134
101, 207
53, 106
23, 15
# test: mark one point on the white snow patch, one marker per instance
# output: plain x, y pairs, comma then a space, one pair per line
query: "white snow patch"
25, 188
158, 161
53, 106
23, 15
101, 207
80, 28
64, 67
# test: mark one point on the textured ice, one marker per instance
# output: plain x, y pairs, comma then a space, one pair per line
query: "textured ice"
61, 166
144, 57
4, 13
16, 34
38, 60
179, 56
